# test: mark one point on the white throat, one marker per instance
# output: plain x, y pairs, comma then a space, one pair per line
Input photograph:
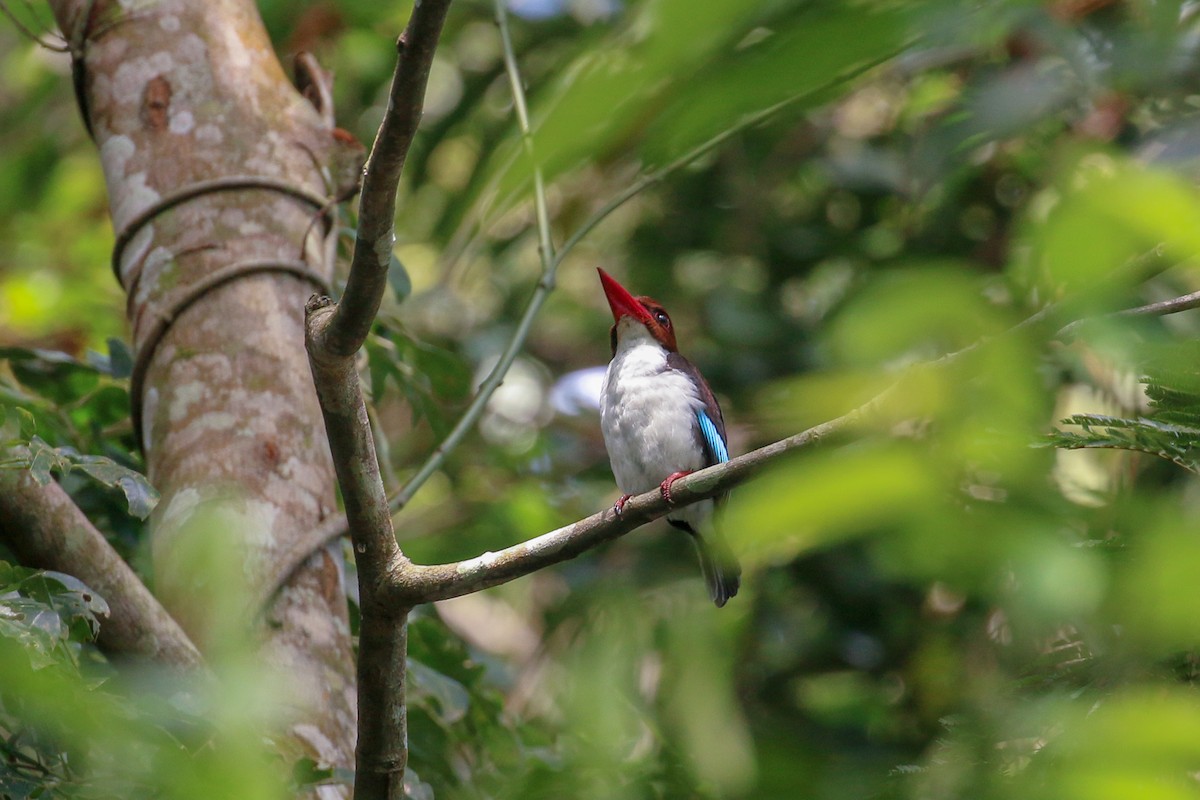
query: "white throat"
647, 412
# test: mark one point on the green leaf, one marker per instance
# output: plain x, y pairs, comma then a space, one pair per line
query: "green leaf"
1177, 443
429, 377
16, 785
792, 60
54, 375
686, 71
443, 696
399, 279
120, 358
139, 494
17, 426
1109, 222
41, 460
44, 612
28, 424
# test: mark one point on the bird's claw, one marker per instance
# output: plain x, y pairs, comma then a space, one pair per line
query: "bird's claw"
619, 506
665, 486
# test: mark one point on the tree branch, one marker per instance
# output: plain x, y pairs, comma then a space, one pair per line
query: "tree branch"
46, 530
333, 334
425, 584
367, 281
382, 752
1163, 307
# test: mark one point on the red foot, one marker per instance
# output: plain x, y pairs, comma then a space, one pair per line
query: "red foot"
619, 506
665, 486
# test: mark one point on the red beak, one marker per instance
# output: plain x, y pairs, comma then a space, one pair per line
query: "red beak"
622, 303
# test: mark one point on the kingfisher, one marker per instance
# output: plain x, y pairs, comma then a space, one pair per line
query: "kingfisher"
661, 422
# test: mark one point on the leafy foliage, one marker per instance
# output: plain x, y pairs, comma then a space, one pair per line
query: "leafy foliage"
70, 726
75, 402
41, 460
1172, 442
933, 605
48, 613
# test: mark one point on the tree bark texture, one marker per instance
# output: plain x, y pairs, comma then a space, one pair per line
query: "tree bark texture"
215, 169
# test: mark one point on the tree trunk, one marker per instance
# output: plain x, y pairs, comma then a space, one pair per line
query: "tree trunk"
214, 164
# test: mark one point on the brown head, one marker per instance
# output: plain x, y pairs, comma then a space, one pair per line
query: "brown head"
645, 310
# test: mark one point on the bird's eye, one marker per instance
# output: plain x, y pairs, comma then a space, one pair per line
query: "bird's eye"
662, 318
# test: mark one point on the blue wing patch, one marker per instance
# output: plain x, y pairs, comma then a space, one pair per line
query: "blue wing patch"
712, 437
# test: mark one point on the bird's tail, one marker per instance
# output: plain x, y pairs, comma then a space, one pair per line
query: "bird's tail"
720, 566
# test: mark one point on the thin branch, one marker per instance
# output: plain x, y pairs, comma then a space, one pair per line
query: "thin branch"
1163, 307
425, 584
542, 291
545, 245
29, 33
46, 530
356, 311
1160, 308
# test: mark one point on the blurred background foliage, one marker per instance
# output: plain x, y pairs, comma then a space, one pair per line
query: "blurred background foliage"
958, 595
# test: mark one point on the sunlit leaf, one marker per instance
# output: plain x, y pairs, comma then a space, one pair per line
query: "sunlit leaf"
1109, 222
793, 60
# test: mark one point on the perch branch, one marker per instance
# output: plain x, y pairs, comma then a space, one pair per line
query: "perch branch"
422, 584
425, 584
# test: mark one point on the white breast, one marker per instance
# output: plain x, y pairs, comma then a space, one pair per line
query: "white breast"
647, 414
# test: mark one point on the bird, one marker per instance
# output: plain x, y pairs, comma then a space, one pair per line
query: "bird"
660, 422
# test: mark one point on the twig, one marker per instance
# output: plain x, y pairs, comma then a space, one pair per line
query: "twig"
1163, 307
1160, 308
545, 245
29, 33
660, 174
543, 289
